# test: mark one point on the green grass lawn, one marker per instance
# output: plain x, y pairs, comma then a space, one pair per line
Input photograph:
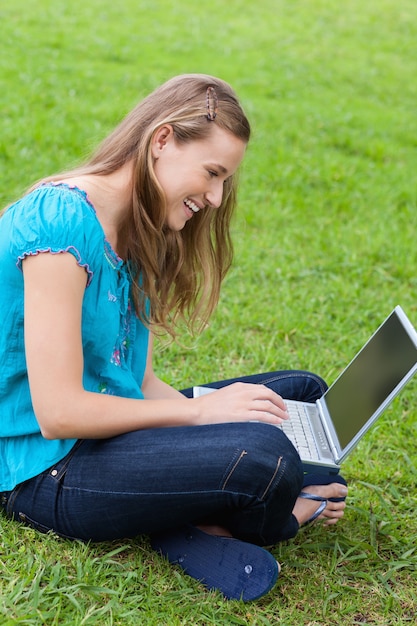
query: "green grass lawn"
325, 242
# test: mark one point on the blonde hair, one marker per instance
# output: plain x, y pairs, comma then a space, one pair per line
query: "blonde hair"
179, 272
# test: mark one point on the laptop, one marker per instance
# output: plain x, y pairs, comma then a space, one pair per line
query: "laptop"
326, 431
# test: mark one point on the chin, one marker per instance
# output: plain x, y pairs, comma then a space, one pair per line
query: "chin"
176, 227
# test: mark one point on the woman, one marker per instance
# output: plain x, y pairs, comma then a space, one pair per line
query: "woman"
94, 445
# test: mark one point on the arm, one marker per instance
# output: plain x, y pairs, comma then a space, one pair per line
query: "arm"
54, 289
152, 386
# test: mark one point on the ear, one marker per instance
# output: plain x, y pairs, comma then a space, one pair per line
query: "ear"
162, 137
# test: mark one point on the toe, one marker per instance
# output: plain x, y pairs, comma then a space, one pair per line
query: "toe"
334, 490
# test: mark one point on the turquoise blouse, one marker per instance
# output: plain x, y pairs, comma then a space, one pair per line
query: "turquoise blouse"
56, 218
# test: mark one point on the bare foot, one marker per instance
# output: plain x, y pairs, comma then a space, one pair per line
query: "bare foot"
304, 508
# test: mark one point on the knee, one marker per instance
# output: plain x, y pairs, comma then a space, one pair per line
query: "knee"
289, 469
313, 387
273, 461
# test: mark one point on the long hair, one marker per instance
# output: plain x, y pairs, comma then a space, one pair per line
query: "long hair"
179, 272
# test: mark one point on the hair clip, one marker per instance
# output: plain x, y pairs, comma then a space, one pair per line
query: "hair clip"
212, 102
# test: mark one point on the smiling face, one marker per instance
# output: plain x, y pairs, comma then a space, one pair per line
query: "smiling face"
192, 175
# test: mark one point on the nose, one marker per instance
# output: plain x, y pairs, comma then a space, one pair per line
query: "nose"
214, 196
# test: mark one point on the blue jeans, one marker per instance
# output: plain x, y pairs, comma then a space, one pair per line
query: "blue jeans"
245, 476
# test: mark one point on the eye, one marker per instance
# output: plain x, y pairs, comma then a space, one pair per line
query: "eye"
212, 173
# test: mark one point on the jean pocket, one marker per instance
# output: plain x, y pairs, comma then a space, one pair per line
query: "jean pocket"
58, 471
33, 523
41, 528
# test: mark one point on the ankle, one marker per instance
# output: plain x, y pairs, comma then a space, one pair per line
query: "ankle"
214, 529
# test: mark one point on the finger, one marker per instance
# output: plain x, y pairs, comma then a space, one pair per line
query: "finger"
274, 397
260, 392
278, 408
274, 403
264, 410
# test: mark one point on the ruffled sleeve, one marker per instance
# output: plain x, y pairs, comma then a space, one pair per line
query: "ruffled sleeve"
56, 219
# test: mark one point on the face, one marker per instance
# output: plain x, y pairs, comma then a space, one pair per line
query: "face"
192, 175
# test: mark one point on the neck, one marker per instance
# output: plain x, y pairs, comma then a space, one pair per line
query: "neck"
111, 196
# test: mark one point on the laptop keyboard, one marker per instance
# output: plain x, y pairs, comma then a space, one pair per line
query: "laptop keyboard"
298, 430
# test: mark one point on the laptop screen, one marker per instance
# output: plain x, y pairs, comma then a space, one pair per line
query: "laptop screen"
370, 378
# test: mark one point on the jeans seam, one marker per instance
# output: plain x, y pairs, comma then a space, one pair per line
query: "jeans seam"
295, 374
13, 495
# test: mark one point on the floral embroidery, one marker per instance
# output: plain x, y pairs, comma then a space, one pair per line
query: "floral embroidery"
115, 357
121, 350
103, 387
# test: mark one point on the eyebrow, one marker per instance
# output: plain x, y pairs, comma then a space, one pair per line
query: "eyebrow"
220, 167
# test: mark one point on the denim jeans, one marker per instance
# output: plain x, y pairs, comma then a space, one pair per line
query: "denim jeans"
245, 476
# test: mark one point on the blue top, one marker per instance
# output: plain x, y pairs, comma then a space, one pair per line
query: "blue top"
56, 218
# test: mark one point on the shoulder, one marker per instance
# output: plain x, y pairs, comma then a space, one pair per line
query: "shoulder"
52, 201
54, 213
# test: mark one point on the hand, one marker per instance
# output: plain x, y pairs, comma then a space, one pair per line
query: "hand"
242, 402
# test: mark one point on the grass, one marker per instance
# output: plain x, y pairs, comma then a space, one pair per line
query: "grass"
325, 247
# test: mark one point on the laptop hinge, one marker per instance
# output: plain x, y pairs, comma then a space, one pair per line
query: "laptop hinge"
324, 419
